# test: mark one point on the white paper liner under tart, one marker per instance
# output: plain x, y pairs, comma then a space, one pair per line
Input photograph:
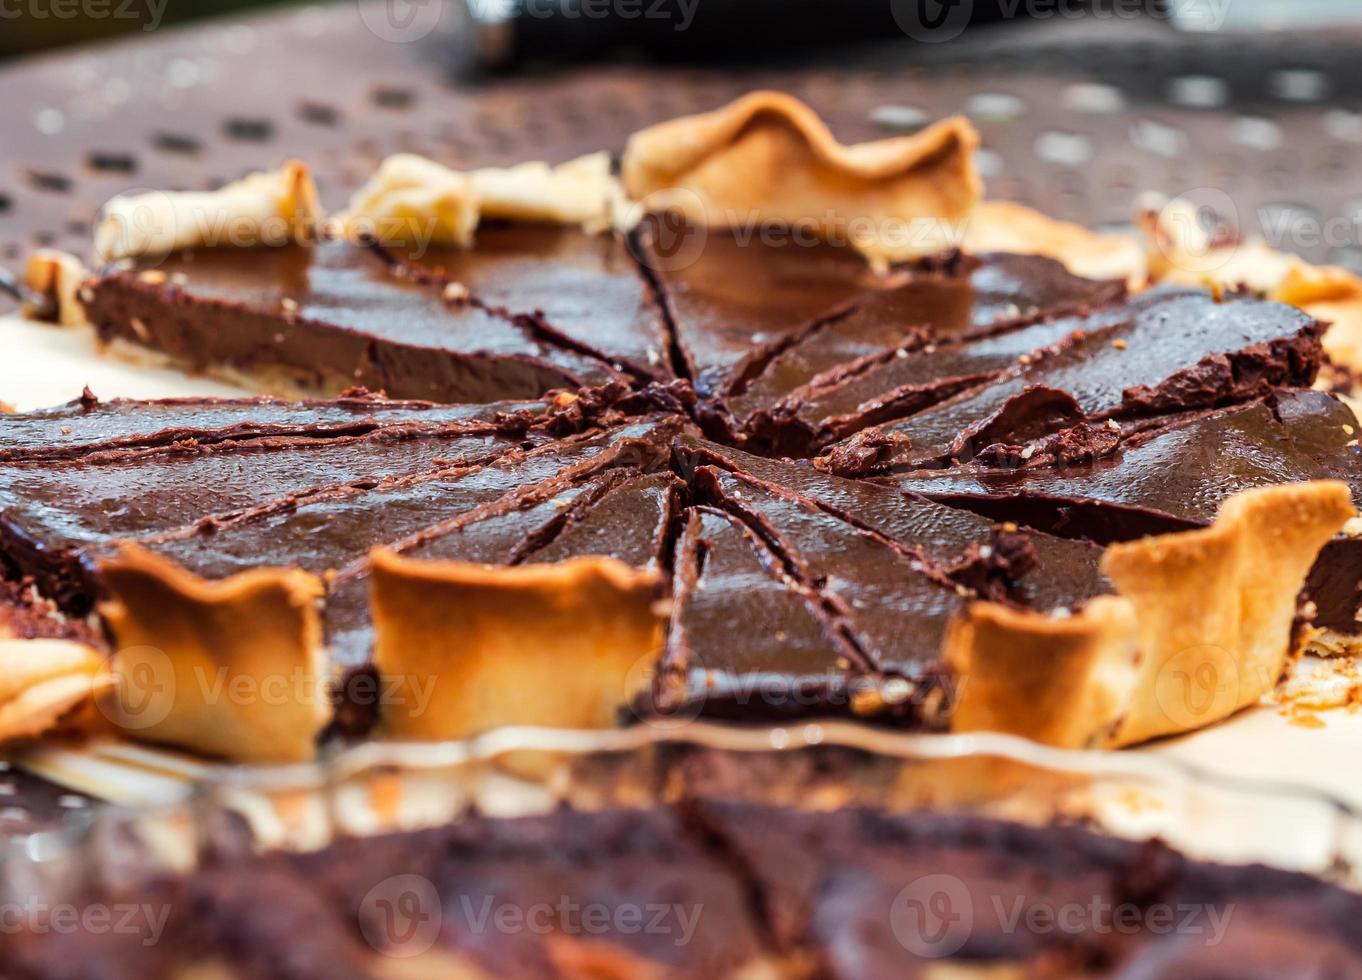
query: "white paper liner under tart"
569, 644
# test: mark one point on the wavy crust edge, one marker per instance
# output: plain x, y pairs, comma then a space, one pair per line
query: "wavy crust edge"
413, 200
231, 667
454, 642
1004, 226
269, 207
767, 157
1203, 624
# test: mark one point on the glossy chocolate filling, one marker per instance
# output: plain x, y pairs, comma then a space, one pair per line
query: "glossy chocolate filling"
1170, 353
331, 316
1176, 477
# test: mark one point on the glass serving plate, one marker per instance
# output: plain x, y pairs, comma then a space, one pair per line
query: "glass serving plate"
385, 787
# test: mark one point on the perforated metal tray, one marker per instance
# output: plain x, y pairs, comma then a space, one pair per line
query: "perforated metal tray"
1078, 115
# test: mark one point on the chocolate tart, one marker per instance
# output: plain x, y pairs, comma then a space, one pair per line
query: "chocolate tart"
420, 479
632, 456
756, 319
1166, 353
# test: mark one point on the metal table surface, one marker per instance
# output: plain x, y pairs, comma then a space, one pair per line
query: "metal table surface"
1078, 115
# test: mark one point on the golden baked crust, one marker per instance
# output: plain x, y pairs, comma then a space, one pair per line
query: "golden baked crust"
464, 648
1223, 597
1062, 681
56, 277
767, 157
46, 684
232, 668
1208, 627
266, 208
1002, 226
412, 200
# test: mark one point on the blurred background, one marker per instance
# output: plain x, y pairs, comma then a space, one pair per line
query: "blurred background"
1254, 107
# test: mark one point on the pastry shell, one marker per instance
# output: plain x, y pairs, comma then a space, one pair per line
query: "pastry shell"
267, 208
767, 158
563, 645
230, 668
416, 202
1204, 623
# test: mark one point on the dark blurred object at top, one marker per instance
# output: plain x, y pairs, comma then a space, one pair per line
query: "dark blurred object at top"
500, 35
510, 34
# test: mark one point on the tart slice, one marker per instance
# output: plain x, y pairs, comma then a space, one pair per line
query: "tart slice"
1168, 353
1175, 476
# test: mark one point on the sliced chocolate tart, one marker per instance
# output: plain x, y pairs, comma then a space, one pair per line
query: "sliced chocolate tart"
195, 474
583, 291
442, 570
203, 495
888, 895
756, 317
89, 423
937, 617
918, 373
582, 558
